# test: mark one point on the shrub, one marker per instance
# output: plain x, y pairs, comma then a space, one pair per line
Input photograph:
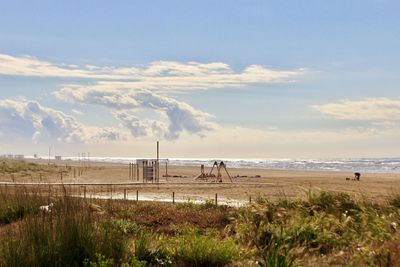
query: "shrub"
394, 200
193, 249
149, 249
101, 261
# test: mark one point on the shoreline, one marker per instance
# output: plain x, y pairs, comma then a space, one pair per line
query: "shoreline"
93, 163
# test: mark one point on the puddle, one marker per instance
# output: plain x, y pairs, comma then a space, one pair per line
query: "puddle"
168, 198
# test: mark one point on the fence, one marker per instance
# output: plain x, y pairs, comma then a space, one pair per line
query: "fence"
129, 192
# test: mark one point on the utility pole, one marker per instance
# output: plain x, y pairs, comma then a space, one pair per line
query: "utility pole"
49, 153
158, 162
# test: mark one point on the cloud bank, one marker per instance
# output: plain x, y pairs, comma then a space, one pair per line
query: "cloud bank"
129, 92
369, 109
160, 75
24, 119
180, 116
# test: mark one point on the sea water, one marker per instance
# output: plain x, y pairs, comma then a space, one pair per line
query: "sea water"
365, 165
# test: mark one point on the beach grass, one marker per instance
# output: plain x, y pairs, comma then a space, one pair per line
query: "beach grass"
324, 229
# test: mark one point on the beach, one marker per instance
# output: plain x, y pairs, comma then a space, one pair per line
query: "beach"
246, 183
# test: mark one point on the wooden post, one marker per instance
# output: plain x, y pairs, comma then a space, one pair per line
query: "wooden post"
216, 199
61, 176
84, 192
137, 171
74, 173
137, 195
130, 170
250, 199
124, 194
166, 170
173, 197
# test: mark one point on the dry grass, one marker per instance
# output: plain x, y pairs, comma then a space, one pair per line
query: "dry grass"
169, 218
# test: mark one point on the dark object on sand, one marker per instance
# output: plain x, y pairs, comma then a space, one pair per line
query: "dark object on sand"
356, 177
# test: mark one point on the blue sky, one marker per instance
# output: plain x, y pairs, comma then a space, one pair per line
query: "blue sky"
208, 78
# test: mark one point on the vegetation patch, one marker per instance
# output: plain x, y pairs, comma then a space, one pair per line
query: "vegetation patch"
326, 229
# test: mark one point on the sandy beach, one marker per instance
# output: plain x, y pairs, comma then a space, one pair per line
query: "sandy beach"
273, 184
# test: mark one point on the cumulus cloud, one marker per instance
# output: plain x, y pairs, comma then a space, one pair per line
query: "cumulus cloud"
160, 75
181, 116
141, 127
127, 90
369, 109
24, 119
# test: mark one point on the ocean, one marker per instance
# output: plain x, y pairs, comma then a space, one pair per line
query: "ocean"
365, 165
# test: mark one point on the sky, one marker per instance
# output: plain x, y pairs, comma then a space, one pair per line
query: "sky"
208, 79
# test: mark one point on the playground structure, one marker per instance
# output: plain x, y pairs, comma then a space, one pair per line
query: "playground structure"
145, 170
148, 170
215, 178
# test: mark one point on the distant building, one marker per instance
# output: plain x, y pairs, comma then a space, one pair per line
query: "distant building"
11, 156
57, 157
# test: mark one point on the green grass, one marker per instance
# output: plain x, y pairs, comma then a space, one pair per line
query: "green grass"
318, 229
194, 249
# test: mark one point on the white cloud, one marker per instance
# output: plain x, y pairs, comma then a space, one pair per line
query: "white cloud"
24, 119
161, 75
77, 112
127, 90
379, 110
181, 116
141, 127
98, 135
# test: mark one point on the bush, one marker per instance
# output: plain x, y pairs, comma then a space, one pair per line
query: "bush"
101, 261
193, 249
149, 249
